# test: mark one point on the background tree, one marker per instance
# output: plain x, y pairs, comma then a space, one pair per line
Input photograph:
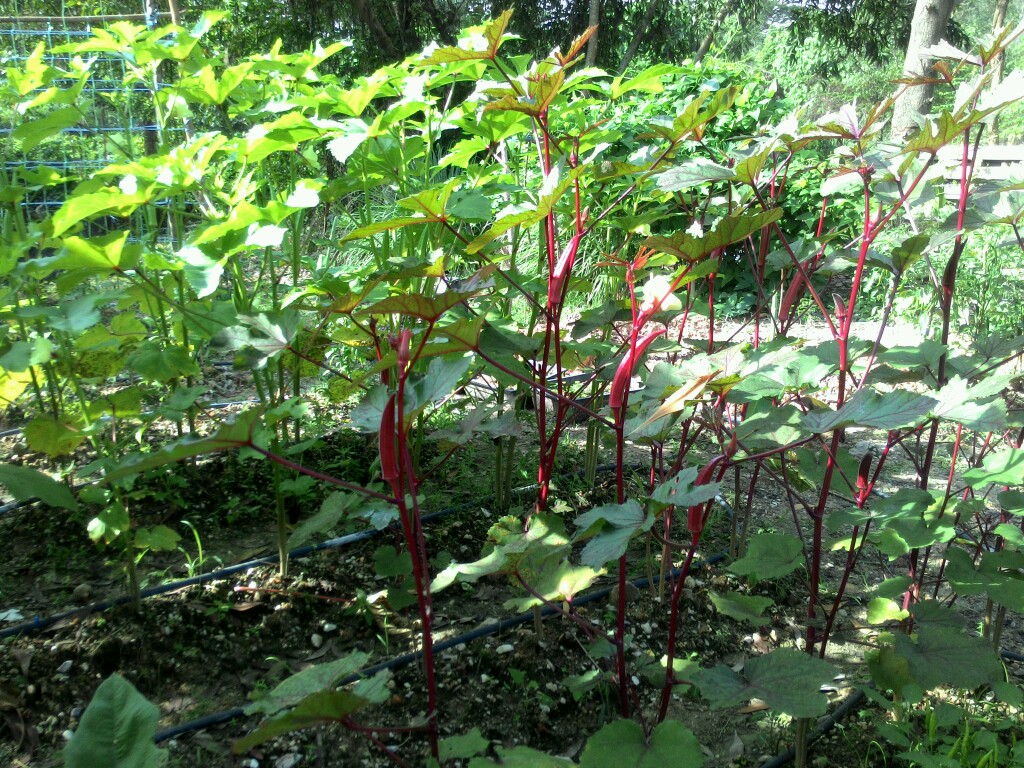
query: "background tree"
823, 52
998, 20
929, 25
595, 21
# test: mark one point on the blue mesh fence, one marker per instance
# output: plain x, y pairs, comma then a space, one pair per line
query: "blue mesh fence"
116, 120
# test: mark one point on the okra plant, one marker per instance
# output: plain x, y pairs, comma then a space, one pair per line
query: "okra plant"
535, 230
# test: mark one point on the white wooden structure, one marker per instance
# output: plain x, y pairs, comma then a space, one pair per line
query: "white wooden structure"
997, 163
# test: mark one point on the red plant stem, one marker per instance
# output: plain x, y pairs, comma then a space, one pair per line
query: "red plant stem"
385, 375
551, 338
657, 466
318, 475
858, 275
711, 313
549, 469
684, 449
543, 391
439, 463
412, 528
620, 497
845, 318
947, 290
852, 556
882, 324
673, 629
687, 305
949, 493
762, 455
807, 280
620, 608
946, 293
864, 487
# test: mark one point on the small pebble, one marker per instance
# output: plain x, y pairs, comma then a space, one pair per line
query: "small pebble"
288, 761
65, 667
68, 734
506, 648
252, 762
316, 640
328, 627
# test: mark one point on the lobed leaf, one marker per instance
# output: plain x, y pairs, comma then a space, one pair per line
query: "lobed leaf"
867, 408
787, 680
746, 608
609, 529
728, 230
25, 483
770, 556
681, 491
622, 744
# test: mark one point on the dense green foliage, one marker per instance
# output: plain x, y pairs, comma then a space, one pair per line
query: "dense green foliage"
378, 243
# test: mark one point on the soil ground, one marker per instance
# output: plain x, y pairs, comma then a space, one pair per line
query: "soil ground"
208, 648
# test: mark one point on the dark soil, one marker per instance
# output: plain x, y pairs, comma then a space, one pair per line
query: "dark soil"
209, 648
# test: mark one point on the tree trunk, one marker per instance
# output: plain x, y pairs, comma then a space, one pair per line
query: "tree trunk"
638, 35
594, 21
998, 20
709, 38
931, 18
368, 16
442, 23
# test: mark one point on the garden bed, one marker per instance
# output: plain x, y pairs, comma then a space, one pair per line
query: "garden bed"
210, 648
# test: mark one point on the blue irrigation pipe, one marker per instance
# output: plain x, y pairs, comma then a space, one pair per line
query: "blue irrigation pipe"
829, 722
824, 725
41, 622
407, 658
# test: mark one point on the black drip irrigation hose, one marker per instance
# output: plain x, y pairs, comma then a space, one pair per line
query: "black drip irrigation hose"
407, 658
41, 622
824, 725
